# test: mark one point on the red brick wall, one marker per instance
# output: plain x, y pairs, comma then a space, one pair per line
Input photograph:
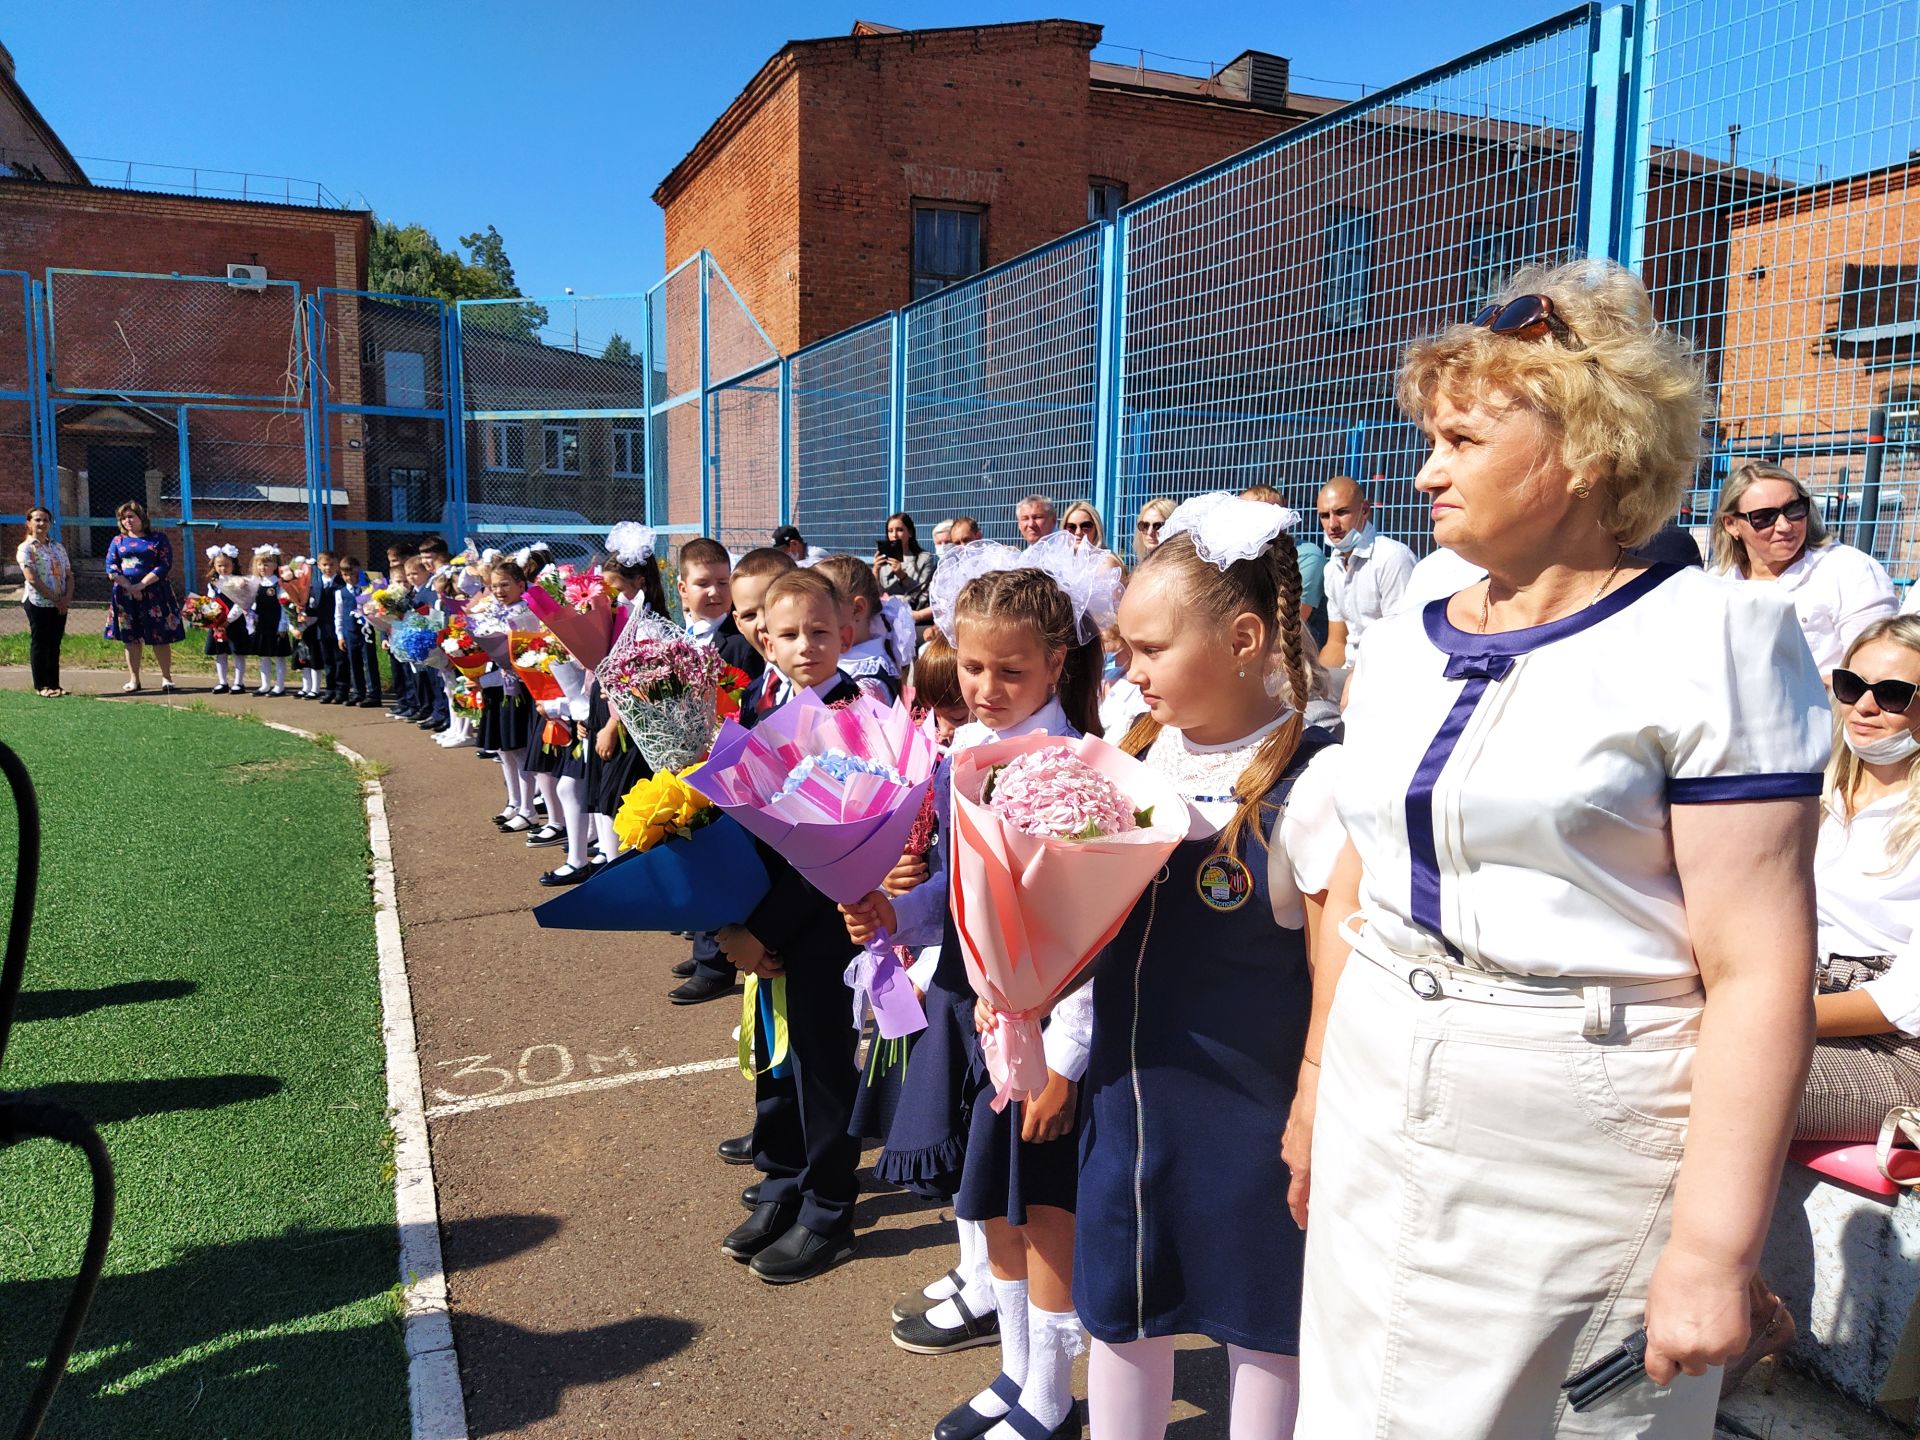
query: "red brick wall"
744, 206
994, 117
1147, 141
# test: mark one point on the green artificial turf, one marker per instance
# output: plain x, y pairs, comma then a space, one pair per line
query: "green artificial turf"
202, 984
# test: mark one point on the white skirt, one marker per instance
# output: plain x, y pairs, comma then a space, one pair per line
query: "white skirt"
1491, 1188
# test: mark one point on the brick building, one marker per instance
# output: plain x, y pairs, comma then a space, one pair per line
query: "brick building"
858, 172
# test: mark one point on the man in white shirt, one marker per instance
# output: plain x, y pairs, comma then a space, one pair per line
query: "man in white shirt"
1366, 571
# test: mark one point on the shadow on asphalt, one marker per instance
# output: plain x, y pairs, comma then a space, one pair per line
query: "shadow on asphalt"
167, 1351
66, 1004
530, 1370
105, 1101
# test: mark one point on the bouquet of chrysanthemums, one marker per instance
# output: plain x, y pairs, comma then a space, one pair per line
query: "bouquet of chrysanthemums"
1053, 841
670, 692
386, 604
836, 790
463, 652
204, 611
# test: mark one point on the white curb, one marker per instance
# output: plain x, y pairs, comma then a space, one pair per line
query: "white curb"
434, 1397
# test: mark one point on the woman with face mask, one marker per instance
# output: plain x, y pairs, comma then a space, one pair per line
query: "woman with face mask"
1867, 890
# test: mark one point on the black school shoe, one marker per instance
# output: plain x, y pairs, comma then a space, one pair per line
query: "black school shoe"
701, 989
684, 970
801, 1254
737, 1151
918, 1304
750, 1197
918, 1335
759, 1231
963, 1422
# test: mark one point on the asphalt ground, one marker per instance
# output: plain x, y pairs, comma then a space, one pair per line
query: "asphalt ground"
582, 1204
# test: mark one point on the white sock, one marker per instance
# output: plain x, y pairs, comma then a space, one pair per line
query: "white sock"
973, 1253
1053, 1339
220, 669
1010, 1298
605, 836
976, 1295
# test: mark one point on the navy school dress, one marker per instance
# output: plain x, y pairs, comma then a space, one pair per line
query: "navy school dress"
926, 1134
566, 760
608, 781
1200, 1019
503, 719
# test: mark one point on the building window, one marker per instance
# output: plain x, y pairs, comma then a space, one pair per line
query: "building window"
1104, 199
506, 445
1489, 262
946, 246
405, 372
407, 493
629, 452
1346, 268
1879, 313
563, 448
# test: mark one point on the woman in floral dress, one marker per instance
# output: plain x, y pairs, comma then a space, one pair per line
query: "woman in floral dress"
144, 609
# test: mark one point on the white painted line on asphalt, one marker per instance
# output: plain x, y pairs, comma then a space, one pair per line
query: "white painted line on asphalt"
434, 1397
576, 1087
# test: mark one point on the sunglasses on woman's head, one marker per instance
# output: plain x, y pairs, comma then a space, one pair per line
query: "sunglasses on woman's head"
1763, 518
1530, 317
1892, 696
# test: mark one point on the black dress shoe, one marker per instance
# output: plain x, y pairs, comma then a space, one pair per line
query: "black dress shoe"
486, 754
427, 724
760, 1230
684, 970
963, 1422
700, 989
750, 1197
569, 877
368, 704
801, 1254
737, 1151
919, 1336
547, 835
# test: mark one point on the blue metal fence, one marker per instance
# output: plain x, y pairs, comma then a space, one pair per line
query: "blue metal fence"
1754, 159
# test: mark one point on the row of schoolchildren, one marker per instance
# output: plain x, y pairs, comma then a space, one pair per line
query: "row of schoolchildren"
1171, 1073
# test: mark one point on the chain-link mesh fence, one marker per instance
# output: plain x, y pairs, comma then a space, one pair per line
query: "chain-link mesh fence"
1002, 379
1781, 231
1266, 302
19, 467
744, 424
173, 336
842, 435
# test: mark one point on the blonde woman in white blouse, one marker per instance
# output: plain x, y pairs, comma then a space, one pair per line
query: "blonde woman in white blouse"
1766, 528
47, 574
1562, 1048
1866, 872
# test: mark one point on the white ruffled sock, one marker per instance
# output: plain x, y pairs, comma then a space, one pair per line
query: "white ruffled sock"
976, 1289
1010, 1298
1053, 1339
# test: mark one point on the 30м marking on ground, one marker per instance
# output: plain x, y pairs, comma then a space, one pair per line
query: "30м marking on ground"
544, 1072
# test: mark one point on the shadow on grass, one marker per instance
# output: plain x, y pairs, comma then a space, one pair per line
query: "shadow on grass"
104, 1101
66, 1004
141, 1374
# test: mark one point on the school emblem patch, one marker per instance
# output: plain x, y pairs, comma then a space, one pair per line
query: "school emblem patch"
1224, 884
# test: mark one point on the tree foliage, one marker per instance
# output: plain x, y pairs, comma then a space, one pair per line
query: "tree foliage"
409, 260
620, 351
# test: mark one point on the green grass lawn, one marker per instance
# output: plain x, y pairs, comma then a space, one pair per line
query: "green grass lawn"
85, 648
202, 985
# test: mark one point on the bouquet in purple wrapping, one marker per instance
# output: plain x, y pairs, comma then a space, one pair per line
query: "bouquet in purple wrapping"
835, 790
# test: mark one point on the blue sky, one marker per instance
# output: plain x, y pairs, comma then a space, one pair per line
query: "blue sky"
556, 122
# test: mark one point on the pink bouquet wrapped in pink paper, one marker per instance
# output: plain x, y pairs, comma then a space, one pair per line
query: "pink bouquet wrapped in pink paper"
1053, 842
836, 791
585, 626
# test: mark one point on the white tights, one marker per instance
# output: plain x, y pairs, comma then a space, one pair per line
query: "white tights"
572, 790
604, 836
1130, 1391
519, 791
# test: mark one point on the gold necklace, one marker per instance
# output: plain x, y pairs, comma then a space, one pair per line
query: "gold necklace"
1486, 597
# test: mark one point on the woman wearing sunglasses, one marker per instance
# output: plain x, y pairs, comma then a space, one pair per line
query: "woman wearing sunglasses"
1866, 872
1556, 1054
1081, 520
1146, 530
1767, 528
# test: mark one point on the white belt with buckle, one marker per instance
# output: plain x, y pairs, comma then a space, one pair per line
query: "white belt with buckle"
1434, 978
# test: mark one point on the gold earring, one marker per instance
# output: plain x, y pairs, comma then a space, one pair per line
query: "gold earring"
1582, 490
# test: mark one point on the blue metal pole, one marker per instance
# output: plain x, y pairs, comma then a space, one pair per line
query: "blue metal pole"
706, 416
186, 497
1111, 262
785, 516
897, 414
317, 528
36, 426
453, 372
1637, 137
1602, 153
646, 412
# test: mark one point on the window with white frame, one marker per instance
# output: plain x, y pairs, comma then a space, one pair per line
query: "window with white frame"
506, 445
629, 452
1346, 269
562, 440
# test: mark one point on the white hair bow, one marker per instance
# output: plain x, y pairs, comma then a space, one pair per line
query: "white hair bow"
1091, 577
1228, 528
631, 543
232, 552
268, 549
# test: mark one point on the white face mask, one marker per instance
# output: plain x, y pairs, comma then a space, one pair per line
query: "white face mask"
940, 548
1346, 542
1888, 750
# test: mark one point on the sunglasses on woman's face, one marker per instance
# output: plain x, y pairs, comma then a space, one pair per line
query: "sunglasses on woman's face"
1794, 511
1149, 527
1530, 317
1892, 696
